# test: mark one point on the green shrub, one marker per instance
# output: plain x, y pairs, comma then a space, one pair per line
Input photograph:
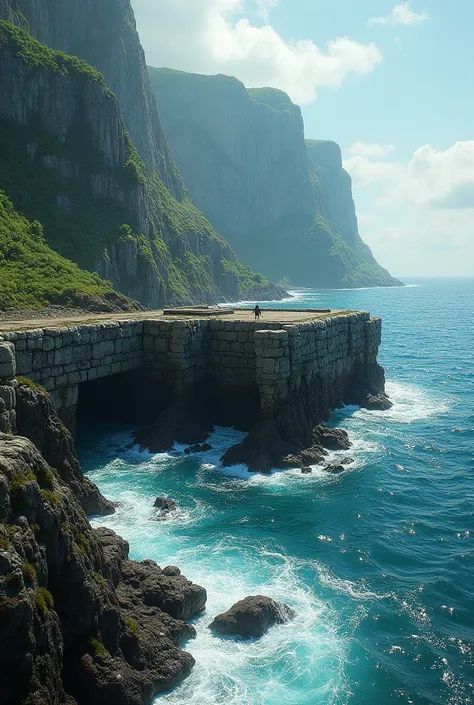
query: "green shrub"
27, 382
98, 649
29, 572
43, 600
50, 497
133, 627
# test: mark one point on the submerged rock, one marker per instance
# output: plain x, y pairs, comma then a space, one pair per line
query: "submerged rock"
306, 470
377, 402
164, 506
181, 423
335, 469
252, 616
331, 438
198, 448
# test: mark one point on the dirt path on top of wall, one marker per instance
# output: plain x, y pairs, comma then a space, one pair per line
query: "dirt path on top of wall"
48, 320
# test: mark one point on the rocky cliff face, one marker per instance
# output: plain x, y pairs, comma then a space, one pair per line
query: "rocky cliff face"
285, 206
67, 161
104, 34
81, 624
242, 159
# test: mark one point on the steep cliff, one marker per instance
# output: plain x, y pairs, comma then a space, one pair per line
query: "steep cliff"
243, 160
32, 275
81, 624
104, 34
285, 206
67, 161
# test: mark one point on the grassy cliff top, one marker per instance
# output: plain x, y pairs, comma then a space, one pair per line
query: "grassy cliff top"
221, 85
324, 153
40, 56
33, 275
273, 98
165, 78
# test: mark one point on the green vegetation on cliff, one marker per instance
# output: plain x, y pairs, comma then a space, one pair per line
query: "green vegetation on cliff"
284, 204
40, 56
83, 180
32, 275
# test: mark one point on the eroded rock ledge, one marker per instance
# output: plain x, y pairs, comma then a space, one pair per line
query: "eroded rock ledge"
81, 623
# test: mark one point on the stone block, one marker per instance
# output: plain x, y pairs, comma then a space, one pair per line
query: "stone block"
48, 343
148, 343
8, 361
160, 345
24, 362
8, 394
49, 383
268, 366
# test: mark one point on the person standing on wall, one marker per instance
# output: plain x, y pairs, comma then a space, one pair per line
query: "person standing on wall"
257, 312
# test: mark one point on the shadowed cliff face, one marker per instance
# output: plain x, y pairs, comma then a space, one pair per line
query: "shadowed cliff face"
74, 610
67, 161
104, 34
285, 206
243, 159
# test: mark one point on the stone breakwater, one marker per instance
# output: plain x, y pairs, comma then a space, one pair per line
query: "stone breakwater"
81, 621
290, 371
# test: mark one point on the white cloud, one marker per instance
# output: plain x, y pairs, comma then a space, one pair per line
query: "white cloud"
401, 14
369, 149
212, 36
442, 178
365, 170
264, 7
418, 215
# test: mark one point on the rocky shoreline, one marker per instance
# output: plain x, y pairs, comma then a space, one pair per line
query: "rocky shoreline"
81, 622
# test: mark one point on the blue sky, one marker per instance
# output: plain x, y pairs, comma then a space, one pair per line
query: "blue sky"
390, 82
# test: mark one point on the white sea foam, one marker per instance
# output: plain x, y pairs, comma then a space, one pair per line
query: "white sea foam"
355, 590
307, 654
410, 403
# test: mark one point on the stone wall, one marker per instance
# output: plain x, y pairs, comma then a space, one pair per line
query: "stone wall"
279, 360
62, 358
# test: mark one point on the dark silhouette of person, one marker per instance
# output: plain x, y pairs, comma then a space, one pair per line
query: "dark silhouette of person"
257, 312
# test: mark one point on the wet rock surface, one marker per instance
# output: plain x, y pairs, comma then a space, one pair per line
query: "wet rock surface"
377, 402
37, 420
252, 617
181, 423
265, 449
198, 448
331, 438
165, 504
80, 622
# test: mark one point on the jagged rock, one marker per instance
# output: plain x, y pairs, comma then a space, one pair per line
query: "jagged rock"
165, 505
171, 570
74, 610
252, 616
198, 448
264, 448
178, 424
377, 402
335, 468
347, 461
173, 594
37, 419
306, 470
332, 438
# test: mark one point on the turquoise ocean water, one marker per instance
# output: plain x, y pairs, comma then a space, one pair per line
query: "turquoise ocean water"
377, 562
